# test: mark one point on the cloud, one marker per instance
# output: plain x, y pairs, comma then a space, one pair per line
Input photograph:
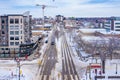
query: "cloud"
64, 7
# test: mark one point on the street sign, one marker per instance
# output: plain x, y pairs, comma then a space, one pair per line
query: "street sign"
20, 72
95, 66
39, 62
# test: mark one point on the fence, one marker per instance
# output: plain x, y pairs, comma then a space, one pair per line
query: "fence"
108, 78
23, 51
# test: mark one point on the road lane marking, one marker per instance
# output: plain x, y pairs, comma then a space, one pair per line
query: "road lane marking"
40, 77
76, 77
71, 77
48, 58
50, 78
65, 77
45, 77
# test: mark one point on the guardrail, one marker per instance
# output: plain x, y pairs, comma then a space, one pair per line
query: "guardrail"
25, 50
109, 77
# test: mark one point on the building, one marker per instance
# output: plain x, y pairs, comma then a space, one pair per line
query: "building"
59, 18
27, 26
113, 24
70, 24
15, 30
107, 25
4, 31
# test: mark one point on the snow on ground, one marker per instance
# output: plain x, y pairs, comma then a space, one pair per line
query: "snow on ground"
94, 38
92, 30
104, 31
80, 65
58, 66
10, 71
111, 65
111, 32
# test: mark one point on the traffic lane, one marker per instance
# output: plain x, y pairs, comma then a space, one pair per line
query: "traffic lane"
50, 60
69, 71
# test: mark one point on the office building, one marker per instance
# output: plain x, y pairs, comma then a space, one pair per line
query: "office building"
112, 24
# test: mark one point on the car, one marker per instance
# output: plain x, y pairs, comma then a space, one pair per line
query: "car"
46, 41
52, 43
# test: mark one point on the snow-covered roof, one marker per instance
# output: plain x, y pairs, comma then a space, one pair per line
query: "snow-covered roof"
94, 38
48, 25
92, 30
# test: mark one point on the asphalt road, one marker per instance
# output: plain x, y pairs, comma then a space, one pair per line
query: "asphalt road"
50, 59
68, 68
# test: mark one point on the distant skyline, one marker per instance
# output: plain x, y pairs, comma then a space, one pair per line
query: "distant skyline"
68, 8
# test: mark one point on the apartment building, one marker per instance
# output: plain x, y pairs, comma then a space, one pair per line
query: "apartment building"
15, 29
27, 28
4, 31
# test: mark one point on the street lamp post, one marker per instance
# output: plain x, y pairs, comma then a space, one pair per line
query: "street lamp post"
19, 69
116, 68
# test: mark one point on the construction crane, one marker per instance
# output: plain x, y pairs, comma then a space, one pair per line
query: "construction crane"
43, 9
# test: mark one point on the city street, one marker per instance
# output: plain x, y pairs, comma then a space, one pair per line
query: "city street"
68, 67
59, 40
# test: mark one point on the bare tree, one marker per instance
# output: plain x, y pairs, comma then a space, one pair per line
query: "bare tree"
104, 48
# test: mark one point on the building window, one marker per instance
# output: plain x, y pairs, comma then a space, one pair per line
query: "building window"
2, 27
16, 43
21, 32
117, 30
3, 37
16, 38
117, 23
21, 21
2, 48
21, 37
16, 21
11, 32
11, 21
11, 38
3, 32
21, 26
11, 43
3, 21
117, 26
17, 27
17, 32
11, 27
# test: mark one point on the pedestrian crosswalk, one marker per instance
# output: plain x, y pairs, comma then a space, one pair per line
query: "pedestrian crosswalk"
70, 77
52, 58
62, 77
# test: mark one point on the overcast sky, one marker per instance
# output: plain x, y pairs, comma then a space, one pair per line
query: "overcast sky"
68, 8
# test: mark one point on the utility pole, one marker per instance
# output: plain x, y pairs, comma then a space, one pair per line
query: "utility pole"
19, 69
18, 65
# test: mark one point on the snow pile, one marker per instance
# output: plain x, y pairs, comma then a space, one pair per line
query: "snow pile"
81, 68
58, 66
10, 71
